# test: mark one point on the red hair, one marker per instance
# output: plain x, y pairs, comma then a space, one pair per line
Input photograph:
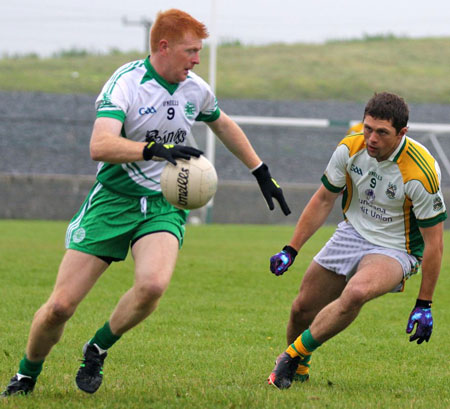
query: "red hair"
172, 25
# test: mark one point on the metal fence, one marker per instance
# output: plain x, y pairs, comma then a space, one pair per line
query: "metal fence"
298, 149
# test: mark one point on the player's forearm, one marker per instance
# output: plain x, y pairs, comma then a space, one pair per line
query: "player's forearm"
115, 149
234, 138
432, 259
431, 266
312, 218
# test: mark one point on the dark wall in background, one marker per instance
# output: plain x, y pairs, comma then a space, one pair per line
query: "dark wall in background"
46, 171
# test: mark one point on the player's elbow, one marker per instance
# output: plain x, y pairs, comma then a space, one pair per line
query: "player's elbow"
95, 155
95, 151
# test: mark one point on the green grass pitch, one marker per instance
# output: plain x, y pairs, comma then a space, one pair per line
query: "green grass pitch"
213, 340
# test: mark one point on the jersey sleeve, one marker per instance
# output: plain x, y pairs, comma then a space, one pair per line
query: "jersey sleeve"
113, 101
429, 207
209, 109
334, 178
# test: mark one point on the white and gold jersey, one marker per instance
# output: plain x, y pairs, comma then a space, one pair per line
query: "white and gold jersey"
151, 109
387, 201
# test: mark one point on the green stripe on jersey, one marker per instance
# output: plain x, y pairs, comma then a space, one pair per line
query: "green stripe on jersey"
400, 151
425, 167
134, 167
211, 115
208, 118
329, 186
432, 221
116, 179
416, 244
120, 115
127, 68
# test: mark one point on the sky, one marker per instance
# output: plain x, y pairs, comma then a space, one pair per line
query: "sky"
48, 26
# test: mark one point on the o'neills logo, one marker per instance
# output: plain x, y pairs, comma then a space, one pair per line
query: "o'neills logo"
182, 186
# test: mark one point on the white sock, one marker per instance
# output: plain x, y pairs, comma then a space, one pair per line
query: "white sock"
100, 351
20, 376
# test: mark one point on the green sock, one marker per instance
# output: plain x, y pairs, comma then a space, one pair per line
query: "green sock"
104, 338
309, 342
29, 368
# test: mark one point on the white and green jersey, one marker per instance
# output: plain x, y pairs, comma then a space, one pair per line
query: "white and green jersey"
151, 109
387, 201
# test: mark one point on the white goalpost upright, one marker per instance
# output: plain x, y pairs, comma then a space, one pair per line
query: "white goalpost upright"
210, 138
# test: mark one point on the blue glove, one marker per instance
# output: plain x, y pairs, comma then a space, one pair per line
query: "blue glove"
280, 262
421, 314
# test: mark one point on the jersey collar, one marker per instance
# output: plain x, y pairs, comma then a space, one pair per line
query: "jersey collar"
398, 151
152, 74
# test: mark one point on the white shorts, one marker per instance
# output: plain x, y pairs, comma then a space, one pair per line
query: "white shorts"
347, 247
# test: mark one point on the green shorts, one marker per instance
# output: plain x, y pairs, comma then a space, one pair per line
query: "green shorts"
107, 223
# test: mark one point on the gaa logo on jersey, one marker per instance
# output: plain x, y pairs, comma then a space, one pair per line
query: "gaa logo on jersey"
147, 110
437, 204
390, 191
189, 110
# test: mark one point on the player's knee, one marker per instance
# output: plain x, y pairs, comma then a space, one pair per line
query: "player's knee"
300, 310
150, 292
58, 312
354, 296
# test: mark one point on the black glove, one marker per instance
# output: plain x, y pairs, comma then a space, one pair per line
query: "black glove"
158, 151
270, 188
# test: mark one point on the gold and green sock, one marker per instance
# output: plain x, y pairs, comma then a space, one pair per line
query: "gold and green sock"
302, 371
303, 346
104, 338
30, 368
